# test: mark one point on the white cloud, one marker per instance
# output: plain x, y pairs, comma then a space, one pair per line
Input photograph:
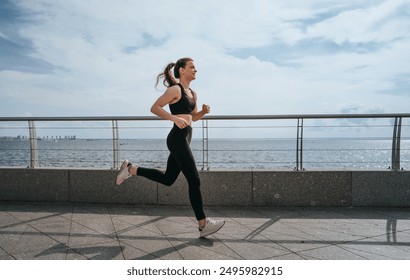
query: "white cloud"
107, 54
379, 23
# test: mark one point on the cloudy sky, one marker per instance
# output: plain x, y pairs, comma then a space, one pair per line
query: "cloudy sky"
101, 57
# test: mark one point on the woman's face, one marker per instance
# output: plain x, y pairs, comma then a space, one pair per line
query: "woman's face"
189, 71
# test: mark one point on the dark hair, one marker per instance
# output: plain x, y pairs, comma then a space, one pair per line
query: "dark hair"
169, 79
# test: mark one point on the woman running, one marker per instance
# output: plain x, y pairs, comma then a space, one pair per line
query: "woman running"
182, 104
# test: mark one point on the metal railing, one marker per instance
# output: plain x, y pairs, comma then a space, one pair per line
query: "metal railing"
395, 119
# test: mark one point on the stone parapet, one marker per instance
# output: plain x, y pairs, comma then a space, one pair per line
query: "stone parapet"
219, 188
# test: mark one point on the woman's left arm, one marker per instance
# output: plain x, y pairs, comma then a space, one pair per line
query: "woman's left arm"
196, 116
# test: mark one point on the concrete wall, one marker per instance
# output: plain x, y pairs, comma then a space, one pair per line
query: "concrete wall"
219, 188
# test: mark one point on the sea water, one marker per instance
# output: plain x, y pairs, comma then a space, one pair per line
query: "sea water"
221, 153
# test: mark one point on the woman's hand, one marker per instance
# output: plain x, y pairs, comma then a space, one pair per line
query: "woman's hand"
196, 116
206, 109
180, 122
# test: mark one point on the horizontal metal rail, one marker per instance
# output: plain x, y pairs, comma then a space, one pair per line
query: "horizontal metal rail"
300, 126
212, 117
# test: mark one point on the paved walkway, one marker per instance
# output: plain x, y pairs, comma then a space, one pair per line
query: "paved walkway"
77, 231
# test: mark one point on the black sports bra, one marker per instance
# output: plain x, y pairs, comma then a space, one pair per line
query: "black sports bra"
185, 105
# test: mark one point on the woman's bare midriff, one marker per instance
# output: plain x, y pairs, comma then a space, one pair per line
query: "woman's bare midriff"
186, 117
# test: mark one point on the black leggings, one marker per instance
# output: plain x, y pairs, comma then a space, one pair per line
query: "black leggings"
180, 159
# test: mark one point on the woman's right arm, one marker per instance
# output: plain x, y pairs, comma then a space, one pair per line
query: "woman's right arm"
169, 96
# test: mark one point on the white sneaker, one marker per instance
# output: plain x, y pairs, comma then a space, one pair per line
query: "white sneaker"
211, 227
123, 174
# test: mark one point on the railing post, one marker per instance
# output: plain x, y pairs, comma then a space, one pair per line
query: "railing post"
33, 144
205, 145
395, 154
115, 143
299, 145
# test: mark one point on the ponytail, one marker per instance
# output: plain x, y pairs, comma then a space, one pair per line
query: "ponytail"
169, 79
